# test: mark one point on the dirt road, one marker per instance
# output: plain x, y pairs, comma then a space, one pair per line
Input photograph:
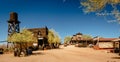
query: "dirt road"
64, 54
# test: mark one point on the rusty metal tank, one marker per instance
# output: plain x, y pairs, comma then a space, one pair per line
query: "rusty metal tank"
13, 16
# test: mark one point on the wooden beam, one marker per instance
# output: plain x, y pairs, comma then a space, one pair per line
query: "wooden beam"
119, 48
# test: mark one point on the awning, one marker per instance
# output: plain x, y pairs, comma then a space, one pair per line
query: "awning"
116, 40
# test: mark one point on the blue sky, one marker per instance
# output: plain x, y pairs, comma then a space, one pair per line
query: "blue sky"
67, 18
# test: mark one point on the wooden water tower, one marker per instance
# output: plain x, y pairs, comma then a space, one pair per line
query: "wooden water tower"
13, 23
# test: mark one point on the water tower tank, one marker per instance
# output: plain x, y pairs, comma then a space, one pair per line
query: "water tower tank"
13, 16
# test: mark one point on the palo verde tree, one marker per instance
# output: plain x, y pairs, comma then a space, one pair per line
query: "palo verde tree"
100, 7
86, 36
67, 39
53, 37
22, 38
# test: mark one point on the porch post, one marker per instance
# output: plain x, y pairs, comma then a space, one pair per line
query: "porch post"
119, 48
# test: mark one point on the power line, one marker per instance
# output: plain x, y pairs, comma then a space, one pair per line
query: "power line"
2, 41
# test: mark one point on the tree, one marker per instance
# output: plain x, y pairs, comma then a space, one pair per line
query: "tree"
86, 37
28, 36
99, 6
23, 39
57, 39
23, 36
53, 38
67, 39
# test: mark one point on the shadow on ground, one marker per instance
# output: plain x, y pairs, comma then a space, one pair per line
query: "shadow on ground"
38, 53
115, 57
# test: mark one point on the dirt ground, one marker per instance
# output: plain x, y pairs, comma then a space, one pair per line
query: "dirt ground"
64, 54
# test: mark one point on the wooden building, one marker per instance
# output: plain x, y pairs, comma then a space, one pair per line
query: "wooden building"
79, 41
117, 45
42, 36
76, 38
104, 43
